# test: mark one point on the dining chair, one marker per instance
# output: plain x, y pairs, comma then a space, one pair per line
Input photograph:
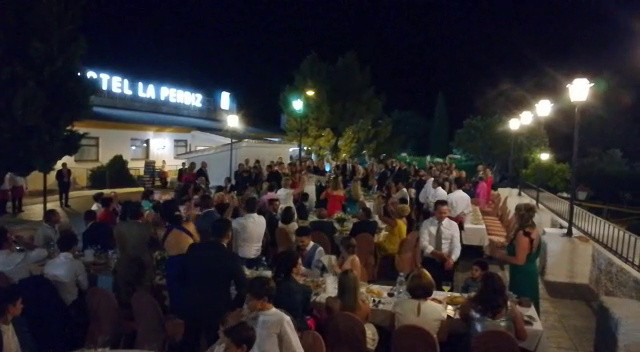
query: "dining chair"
408, 257
103, 318
494, 340
150, 330
366, 252
345, 333
311, 341
283, 240
413, 338
322, 239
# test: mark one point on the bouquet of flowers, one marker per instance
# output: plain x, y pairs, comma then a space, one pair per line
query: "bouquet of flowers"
341, 218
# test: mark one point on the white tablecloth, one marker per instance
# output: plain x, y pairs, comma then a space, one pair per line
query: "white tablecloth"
475, 234
382, 314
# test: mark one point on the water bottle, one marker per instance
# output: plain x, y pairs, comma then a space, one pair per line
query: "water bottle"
400, 285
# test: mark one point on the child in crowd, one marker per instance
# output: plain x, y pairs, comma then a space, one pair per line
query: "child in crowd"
472, 283
274, 329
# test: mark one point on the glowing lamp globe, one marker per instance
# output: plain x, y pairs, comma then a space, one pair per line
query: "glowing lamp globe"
297, 105
579, 90
233, 121
543, 108
514, 124
545, 156
526, 118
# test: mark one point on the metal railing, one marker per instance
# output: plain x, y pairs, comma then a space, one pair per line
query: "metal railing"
621, 243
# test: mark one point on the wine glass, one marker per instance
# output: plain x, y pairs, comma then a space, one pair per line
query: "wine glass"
446, 286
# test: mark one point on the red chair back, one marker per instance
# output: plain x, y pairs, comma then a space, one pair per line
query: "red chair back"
149, 319
408, 257
311, 341
494, 340
103, 317
283, 240
412, 338
322, 239
345, 333
366, 252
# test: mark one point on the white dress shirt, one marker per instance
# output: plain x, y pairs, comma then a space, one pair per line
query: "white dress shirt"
429, 316
285, 195
10, 341
16, 264
67, 275
426, 191
317, 258
274, 332
46, 235
459, 203
248, 232
436, 195
450, 237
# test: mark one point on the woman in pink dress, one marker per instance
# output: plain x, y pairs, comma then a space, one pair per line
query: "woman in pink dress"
482, 192
335, 197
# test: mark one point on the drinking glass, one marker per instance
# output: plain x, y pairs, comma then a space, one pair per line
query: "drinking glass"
446, 286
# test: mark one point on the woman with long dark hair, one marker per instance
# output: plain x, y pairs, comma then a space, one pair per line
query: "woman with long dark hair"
176, 240
522, 254
291, 296
489, 309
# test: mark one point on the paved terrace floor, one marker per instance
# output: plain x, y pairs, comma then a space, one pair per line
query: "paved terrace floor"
567, 314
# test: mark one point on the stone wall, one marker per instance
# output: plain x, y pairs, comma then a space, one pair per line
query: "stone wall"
611, 277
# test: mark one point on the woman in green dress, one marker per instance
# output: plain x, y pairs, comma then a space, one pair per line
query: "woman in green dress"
522, 255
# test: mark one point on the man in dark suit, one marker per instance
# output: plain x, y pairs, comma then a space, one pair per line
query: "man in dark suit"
323, 224
271, 216
210, 268
182, 171
365, 223
203, 172
208, 214
98, 234
63, 178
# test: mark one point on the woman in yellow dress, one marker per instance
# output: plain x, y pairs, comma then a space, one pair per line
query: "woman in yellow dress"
394, 216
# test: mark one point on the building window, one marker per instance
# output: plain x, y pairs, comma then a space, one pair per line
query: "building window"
89, 149
139, 149
179, 146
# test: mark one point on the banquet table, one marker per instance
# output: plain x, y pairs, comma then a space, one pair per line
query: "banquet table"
475, 230
382, 313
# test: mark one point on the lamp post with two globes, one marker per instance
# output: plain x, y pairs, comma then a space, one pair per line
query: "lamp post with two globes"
298, 105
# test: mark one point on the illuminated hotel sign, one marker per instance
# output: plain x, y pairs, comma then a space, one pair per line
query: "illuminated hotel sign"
120, 85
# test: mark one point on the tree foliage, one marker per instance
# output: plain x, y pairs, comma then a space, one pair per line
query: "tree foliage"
114, 174
488, 140
548, 174
41, 93
408, 134
439, 134
344, 116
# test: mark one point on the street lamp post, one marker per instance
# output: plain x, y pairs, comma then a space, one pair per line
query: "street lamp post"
578, 93
233, 121
526, 118
298, 106
514, 125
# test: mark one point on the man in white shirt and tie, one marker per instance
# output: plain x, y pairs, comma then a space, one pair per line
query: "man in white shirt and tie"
248, 233
459, 202
440, 244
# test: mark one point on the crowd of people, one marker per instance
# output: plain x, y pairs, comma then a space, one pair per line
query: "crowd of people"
203, 240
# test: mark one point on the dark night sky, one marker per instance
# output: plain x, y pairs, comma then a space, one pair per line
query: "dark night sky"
414, 48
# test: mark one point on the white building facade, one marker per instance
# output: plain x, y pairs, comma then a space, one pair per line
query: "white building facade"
142, 121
